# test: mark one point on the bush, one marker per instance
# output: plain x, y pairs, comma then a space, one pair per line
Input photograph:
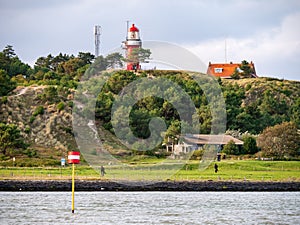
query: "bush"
230, 148
248, 87
60, 106
30, 152
197, 154
70, 104
27, 129
38, 111
249, 146
4, 99
32, 118
50, 94
280, 141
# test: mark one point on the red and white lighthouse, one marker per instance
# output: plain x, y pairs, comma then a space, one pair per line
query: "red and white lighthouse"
133, 41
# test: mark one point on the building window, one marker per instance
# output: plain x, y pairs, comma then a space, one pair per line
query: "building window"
218, 70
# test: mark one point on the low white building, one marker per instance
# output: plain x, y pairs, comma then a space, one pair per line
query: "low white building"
192, 142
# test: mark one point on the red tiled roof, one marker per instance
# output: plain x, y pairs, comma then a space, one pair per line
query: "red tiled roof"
225, 70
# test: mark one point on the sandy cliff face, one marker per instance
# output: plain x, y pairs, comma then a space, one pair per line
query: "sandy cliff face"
51, 128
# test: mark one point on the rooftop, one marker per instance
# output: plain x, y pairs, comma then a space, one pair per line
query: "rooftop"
225, 70
133, 28
213, 139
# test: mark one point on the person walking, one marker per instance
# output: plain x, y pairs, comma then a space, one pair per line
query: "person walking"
216, 168
102, 171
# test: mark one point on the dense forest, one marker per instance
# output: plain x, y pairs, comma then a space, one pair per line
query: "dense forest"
252, 104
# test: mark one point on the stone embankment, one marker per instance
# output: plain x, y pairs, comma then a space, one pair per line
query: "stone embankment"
83, 185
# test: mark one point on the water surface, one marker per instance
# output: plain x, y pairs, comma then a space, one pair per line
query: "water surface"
150, 208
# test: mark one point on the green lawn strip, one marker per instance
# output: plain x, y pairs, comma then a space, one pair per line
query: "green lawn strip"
245, 170
147, 170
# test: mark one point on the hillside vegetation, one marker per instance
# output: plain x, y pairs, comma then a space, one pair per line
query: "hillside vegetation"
38, 102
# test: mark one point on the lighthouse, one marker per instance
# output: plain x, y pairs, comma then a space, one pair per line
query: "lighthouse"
133, 41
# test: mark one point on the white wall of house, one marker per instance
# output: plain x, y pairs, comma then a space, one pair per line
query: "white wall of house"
184, 148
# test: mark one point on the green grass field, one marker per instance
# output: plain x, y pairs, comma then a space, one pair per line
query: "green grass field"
235, 170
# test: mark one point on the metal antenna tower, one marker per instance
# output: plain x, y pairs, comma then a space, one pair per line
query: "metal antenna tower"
127, 23
97, 32
225, 51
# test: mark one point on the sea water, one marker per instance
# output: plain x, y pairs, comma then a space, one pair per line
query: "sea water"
150, 208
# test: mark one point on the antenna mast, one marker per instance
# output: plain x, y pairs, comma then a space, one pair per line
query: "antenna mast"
97, 32
225, 51
127, 23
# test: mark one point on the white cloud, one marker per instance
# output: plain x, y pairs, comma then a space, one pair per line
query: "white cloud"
255, 30
271, 50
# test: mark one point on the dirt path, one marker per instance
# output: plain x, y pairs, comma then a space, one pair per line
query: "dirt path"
22, 91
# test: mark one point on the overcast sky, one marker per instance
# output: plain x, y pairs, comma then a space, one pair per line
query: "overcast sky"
263, 31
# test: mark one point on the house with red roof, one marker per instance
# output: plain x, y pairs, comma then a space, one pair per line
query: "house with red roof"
225, 70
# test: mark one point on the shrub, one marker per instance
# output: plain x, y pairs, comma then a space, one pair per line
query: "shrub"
280, 141
230, 148
197, 154
70, 104
60, 106
32, 118
27, 129
30, 152
38, 111
248, 87
4, 99
249, 146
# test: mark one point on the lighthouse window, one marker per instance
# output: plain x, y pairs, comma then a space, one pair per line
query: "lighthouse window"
132, 35
218, 70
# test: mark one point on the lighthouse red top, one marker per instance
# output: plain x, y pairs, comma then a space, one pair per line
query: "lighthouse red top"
133, 28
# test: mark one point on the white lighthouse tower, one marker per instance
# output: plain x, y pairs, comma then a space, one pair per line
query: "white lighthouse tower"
132, 41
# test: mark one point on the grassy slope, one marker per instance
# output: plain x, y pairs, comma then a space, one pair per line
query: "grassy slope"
256, 87
17, 110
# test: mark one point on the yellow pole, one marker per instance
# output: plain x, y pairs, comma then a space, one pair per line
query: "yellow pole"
73, 186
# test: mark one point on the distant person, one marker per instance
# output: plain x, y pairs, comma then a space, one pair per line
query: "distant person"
102, 171
216, 168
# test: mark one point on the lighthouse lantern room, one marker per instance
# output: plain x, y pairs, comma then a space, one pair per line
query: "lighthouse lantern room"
132, 41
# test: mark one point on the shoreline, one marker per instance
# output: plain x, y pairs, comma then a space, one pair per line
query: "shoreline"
85, 185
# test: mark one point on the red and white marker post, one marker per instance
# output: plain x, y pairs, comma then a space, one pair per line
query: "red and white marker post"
74, 158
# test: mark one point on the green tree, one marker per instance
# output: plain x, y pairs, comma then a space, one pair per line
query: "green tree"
44, 62
19, 80
173, 130
246, 69
50, 75
233, 98
230, 148
114, 60
295, 112
243, 71
139, 55
86, 57
280, 141
250, 146
236, 74
139, 122
50, 94
6, 85
53, 63
9, 52
99, 65
10, 62
10, 138
72, 65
